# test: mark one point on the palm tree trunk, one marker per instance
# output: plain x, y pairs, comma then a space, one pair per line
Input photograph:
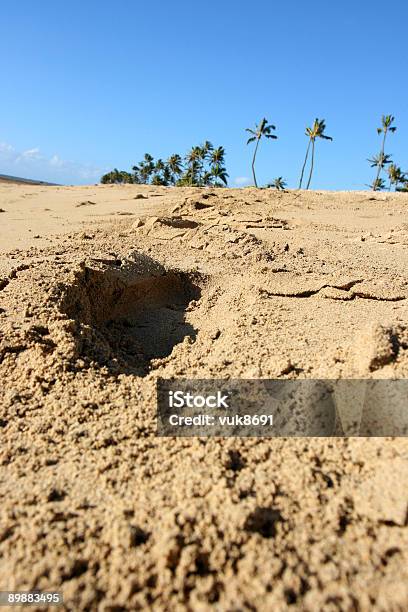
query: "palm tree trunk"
311, 165
304, 165
379, 167
253, 161
200, 172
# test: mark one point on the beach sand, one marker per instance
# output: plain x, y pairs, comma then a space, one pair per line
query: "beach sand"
105, 288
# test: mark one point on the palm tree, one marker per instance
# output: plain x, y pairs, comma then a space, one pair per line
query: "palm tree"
386, 126
395, 175
404, 186
145, 169
167, 175
218, 173
379, 161
206, 148
263, 129
163, 174
193, 161
158, 169
377, 184
136, 175
204, 154
175, 165
277, 183
217, 155
316, 131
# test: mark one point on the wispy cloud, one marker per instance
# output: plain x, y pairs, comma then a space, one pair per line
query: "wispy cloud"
31, 163
31, 154
241, 181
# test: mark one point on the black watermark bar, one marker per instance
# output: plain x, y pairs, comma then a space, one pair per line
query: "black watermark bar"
282, 408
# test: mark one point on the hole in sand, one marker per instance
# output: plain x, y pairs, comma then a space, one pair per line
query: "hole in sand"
263, 521
127, 318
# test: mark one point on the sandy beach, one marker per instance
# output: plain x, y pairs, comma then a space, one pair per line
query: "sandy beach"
105, 288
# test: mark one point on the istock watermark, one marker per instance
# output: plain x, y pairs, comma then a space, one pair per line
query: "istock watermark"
282, 408
179, 399
212, 408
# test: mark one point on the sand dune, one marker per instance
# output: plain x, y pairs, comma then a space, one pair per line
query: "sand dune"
105, 288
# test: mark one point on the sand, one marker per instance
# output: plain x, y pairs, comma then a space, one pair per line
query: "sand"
105, 288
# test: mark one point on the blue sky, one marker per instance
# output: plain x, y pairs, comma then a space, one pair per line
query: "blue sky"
94, 84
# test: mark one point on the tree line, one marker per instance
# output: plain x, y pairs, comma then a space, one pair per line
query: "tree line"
204, 165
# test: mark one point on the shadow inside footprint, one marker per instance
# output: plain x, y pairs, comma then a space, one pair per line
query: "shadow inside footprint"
128, 318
